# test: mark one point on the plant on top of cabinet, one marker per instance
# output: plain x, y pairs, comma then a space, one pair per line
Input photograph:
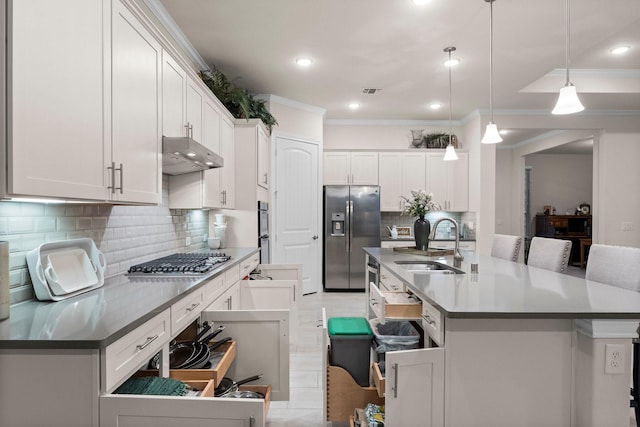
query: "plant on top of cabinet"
238, 101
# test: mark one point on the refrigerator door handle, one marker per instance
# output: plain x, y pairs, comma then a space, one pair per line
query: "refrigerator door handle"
350, 225
347, 223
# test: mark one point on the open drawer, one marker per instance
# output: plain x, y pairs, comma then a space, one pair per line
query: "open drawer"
262, 347
393, 305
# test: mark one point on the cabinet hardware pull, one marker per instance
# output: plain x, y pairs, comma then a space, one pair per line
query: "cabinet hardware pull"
121, 177
395, 381
265, 178
374, 302
428, 319
252, 421
315, 237
147, 342
189, 127
112, 168
193, 306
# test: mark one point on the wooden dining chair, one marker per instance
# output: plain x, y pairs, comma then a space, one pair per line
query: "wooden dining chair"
506, 247
550, 254
619, 266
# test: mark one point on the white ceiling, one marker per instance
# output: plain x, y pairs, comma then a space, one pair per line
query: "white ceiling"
397, 46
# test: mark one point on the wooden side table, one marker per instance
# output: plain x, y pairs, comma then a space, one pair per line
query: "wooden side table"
584, 243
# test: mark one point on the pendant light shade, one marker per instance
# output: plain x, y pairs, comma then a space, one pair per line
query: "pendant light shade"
450, 153
568, 102
491, 135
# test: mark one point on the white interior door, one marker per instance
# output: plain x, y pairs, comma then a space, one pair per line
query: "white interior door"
296, 213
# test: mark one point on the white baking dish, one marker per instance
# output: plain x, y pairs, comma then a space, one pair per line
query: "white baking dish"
65, 268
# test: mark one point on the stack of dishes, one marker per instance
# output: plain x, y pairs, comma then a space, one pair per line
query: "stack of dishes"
66, 268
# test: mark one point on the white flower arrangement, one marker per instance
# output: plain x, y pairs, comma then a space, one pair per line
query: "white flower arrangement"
419, 204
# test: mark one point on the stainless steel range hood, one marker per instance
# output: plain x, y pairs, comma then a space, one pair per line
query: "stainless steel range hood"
182, 155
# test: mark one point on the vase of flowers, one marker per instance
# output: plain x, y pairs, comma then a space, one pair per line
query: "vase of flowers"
418, 205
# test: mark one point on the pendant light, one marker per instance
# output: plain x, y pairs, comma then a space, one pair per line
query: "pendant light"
450, 153
568, 102
491, 135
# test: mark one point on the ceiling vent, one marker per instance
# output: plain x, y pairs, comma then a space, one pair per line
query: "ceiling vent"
369, 91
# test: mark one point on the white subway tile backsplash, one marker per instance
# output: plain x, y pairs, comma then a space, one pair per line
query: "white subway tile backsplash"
125, 234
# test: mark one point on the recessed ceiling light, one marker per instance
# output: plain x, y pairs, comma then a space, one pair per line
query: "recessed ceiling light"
452, 62
304, 62
619, 50
421, 2
354, 106
435, 106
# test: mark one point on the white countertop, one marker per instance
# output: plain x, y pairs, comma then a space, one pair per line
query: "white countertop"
504, 289
97, 318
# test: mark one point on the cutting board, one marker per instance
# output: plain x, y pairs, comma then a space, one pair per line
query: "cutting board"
428, 252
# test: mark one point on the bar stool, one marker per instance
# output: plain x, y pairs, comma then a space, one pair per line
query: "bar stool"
506, 247
584, 244
550, 254
619, 266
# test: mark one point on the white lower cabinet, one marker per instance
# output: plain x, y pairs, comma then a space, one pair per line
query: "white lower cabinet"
262, 348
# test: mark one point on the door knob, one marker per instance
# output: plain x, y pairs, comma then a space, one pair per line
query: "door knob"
315, 237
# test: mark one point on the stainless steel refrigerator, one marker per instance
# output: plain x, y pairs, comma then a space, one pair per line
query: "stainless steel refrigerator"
351, 222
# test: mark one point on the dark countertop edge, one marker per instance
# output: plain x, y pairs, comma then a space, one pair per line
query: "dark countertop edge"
102, 343
412, 239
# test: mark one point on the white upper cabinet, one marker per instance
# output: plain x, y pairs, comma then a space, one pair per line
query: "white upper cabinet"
350, 168
87, 126
55, 115
174, 98
449, 181
263, 158
227, 173
195, 103
136, 111
400, 172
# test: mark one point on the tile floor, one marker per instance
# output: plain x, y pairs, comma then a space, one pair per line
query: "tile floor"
304, 409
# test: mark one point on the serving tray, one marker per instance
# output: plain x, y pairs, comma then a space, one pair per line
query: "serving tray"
67, 251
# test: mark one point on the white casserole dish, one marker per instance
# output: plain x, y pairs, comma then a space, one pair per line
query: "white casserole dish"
65, 268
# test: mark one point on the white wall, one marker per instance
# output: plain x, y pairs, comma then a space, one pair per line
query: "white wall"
560, 180
504, 166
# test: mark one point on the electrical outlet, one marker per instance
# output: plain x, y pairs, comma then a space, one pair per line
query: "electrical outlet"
614, 359
187, 241
627, 226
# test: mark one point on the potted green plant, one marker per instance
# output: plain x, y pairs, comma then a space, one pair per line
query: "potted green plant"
240, 103
419, 205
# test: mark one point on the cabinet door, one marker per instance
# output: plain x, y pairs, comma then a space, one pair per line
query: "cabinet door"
390, 180
136, 131
195, 102
364, 168
211, 139
459, 183
263, 158
227, 173
57, 111
174, 85
438, 179
413, 173
263, 345
414, 388
337, 168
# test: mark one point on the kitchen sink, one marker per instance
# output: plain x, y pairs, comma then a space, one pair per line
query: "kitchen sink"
428, 267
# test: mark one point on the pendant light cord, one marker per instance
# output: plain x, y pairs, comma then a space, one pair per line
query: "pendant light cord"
450, 98
567, 42
491, 57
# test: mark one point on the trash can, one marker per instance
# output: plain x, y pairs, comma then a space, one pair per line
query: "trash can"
351, 339
393, 335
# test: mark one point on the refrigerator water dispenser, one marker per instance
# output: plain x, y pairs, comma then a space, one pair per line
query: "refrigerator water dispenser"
337, 224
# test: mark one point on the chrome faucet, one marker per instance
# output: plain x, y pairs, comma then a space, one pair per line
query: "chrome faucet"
457, 256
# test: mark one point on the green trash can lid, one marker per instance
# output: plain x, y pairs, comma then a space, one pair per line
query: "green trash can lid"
349, 326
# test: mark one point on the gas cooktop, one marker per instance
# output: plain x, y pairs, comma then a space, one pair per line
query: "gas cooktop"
181, 264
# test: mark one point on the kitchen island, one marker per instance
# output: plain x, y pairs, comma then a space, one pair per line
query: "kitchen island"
510, 345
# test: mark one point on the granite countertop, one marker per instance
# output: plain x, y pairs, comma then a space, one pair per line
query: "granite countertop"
412, 239
98, 318
504, 289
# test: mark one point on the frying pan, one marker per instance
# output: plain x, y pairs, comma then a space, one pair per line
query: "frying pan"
228, 386
204, 354
199, 349
179, 354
